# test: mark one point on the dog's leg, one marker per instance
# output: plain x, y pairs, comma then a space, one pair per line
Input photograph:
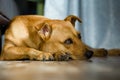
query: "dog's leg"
16, 53
104, 52
100, 52
114, 52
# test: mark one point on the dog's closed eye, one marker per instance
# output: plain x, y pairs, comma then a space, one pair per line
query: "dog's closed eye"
68, 41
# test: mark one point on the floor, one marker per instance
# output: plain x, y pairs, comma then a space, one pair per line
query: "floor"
94, 69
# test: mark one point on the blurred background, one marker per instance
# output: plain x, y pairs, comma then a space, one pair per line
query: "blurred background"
101, 18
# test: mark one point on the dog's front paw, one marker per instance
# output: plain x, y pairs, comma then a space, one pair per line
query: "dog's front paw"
62, 56
42, 56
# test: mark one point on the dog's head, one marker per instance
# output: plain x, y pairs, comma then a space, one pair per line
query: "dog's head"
60, 37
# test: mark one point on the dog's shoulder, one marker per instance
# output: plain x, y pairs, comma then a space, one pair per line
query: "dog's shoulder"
28, 17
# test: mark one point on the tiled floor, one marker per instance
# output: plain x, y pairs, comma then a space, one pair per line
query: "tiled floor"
96, 69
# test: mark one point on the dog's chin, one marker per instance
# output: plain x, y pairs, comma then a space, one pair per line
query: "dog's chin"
64, 56
82, 57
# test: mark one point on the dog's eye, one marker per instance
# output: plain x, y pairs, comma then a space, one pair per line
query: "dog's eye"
79, 36
68, 41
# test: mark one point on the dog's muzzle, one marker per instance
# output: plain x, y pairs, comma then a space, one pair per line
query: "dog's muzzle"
88, 54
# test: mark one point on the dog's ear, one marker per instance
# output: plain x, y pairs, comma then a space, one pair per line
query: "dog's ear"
45, 31
72, 19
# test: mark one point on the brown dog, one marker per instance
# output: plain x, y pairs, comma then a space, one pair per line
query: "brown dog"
38, 38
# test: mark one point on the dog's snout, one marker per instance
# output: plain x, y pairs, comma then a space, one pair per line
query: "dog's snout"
88, 54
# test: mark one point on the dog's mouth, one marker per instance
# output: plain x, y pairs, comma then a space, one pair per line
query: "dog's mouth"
65, 56
62, 56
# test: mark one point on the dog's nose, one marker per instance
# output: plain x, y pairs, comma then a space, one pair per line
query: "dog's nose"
88, 54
